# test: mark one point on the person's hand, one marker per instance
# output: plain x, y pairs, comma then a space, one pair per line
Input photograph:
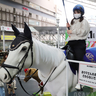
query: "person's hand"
69, 31
67, 25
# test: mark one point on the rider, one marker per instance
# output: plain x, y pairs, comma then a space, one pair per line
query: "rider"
78, 33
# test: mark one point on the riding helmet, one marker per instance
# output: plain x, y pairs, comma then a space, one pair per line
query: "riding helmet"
79, 7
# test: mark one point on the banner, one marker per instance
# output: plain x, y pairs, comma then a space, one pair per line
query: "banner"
8, 37
87, 74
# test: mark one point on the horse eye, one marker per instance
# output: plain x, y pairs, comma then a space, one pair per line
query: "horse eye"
24, 48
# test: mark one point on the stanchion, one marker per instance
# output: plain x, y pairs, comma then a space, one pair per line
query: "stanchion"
66, 78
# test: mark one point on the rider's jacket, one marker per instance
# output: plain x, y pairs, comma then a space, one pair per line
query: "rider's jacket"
80, 30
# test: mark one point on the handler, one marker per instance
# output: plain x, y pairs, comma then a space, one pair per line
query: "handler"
78, 33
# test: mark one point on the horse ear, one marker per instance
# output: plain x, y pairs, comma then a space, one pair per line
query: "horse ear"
16, 31
27, 31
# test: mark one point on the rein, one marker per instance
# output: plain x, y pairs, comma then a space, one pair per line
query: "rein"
45, 82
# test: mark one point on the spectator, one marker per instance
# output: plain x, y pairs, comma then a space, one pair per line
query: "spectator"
4, 58
11, 88
2, 90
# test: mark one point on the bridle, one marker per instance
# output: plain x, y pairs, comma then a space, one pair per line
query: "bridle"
5, 66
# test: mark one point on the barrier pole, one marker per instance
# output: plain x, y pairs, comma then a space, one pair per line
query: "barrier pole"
76, 61
66, 78
3, 38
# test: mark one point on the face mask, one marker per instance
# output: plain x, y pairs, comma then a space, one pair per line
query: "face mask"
76, 16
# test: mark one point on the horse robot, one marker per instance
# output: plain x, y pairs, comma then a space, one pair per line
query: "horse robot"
33, 73
26, 51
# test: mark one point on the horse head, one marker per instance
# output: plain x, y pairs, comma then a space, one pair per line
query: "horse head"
31, 73
18, 55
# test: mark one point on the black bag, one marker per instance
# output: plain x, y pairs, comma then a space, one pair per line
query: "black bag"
69, 52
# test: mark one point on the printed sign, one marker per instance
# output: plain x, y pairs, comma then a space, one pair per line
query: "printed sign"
87, 74
5, 28
92, 34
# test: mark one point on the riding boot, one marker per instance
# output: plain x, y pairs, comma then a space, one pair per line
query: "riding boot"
77, 87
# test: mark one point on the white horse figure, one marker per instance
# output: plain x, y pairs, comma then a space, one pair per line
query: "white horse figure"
44, 57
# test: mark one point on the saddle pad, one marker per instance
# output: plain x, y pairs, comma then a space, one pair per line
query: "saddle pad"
90, 55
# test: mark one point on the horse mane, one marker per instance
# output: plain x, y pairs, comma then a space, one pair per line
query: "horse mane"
48, 54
